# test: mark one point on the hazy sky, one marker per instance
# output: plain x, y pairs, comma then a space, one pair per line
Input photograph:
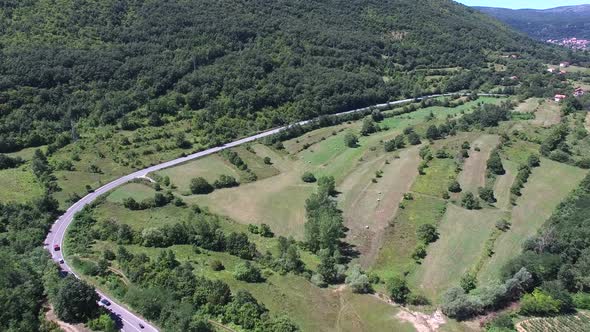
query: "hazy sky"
538, 4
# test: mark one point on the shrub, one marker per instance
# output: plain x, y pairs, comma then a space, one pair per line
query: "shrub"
487, 194
224, 181
494, 163
417, 299
468, 282
419, 252
350, 140
465, 145
533, 161
216, 265
358, 281
455, 187
267, 161
539, 303
503, 225
427, 233
559, 156
247, 272
264, 231
398, 290
582, 300
308, 177
470, 202
318, 280
200, 186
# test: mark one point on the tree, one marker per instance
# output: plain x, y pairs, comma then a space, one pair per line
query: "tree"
432, 132
368, 127
327, 267
470, 202
280, 324
200, 186
398, 290
468, 282
358, 281
76, 301
247, 272
181, 141
267, 160
350, 140
265, 231
533, 161
413, 138
487, 194
308, 177
427, 233
539, 303
455, 187
494, 163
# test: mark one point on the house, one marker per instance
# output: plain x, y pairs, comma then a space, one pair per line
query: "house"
559, 98
552, 70
514, 78
578, 92
564, 64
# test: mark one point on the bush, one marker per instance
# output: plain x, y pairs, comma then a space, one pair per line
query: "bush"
398, 290
308, 177
503, 225
224, 181
455, 187
200, 186
487, 194
247, 272
539, 303
534, 161
419, 252
494, 163
470, 202
267, 161
358, 281
559, 156
427, 233
417, 299
350, 140
318, 280
216, 265
582, 300
468, 282
264, 231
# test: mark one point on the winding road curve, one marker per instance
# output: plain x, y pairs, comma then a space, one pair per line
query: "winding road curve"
130, 321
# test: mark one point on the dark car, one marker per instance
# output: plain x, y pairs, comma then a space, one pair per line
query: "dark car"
141, 325
105, 302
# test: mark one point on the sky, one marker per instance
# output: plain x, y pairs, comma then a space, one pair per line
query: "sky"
516, 4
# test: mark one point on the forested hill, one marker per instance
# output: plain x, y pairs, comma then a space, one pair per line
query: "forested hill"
244, 64
554, 23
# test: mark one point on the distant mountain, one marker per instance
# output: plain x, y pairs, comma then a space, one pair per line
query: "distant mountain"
554, 23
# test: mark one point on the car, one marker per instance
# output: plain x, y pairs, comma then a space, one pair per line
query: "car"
141, 325
105, 302
56, 247
61, 261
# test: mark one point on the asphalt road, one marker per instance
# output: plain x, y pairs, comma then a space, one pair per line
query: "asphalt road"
130, 321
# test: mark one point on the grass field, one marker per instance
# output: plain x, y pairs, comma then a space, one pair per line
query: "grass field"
19, 185
503, 184
256, 163
439, 174
210, 168
548, 185
368, 206
399, 239
137, 191
463, 234
474, 168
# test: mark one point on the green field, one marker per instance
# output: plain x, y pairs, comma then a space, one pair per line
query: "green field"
399, 239
462, 237
19, 185
137, 191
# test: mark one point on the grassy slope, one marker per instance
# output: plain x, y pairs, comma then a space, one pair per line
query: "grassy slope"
546, 188
19, 185
463, 234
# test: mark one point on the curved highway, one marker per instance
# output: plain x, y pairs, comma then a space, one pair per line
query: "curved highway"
132, 322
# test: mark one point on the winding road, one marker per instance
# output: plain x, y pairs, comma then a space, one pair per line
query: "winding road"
131, 322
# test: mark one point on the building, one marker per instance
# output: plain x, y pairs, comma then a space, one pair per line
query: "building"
552, 70
564, 64
514, 78
559, 98
578, 92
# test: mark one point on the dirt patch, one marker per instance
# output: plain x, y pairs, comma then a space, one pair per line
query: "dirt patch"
66, 327
474, 169
368, 206
423, 322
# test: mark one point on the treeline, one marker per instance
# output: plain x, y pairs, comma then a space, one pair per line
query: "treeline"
24, 262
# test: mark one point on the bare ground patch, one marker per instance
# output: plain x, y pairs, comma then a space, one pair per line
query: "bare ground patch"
474, 169
368, 207
423, 322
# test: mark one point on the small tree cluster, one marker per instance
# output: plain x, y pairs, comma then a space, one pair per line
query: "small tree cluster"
494, 163
470, 202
